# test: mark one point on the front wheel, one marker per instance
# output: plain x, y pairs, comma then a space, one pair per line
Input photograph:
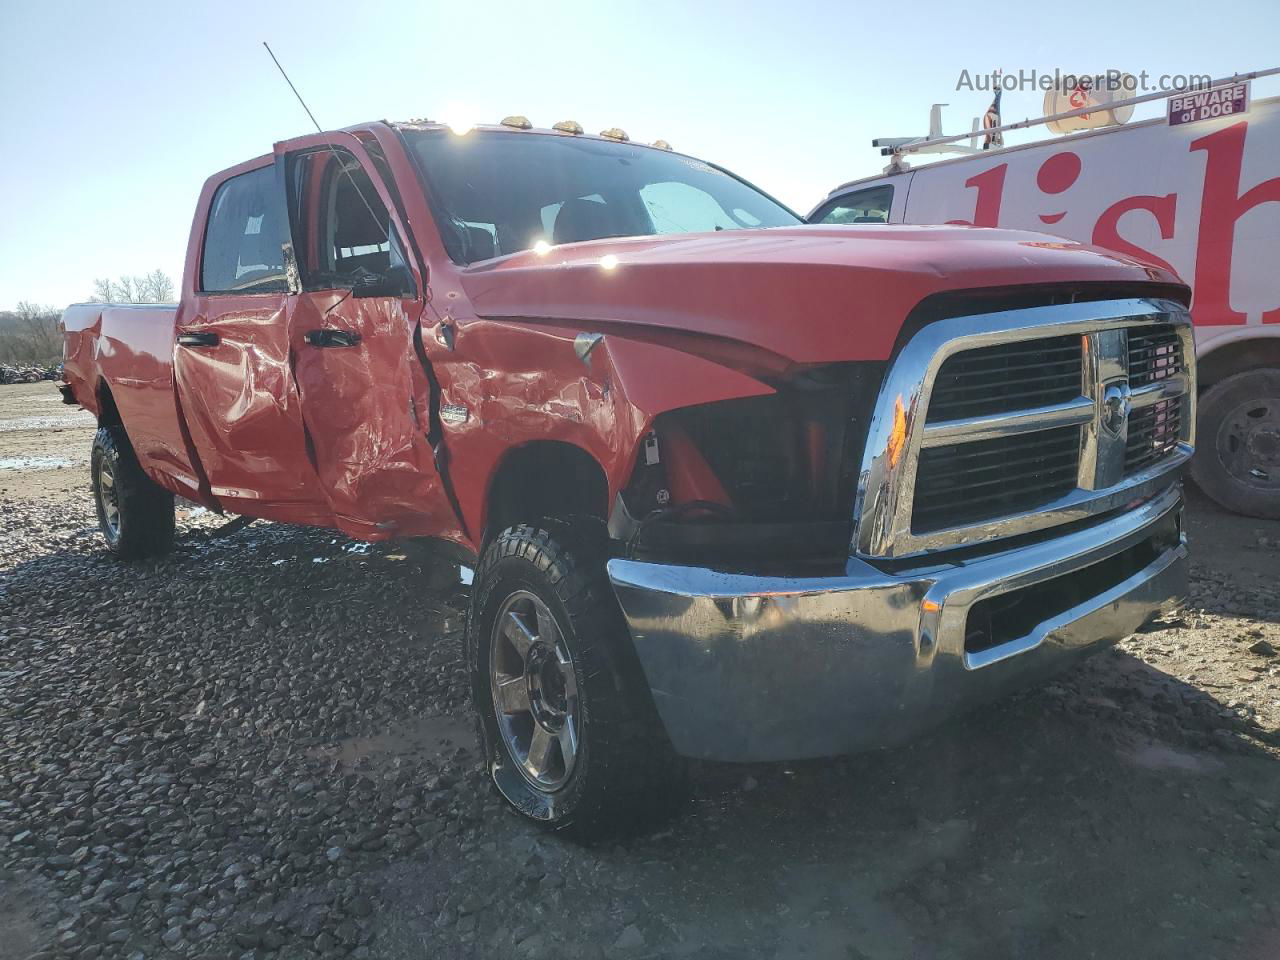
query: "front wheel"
1237, 461
134, 514
570, 733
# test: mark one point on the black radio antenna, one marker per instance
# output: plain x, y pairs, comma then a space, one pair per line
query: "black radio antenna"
320, 130
276, 61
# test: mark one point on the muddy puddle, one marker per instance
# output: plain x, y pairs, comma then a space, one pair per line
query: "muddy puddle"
38, 463
15, 424
427, 737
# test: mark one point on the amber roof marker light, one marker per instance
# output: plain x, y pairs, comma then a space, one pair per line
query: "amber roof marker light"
615, 133
517, 122
568, 126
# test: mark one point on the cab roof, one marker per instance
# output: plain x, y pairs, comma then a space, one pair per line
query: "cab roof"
566, 128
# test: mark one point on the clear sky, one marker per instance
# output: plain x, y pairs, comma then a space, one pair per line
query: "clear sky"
114, 113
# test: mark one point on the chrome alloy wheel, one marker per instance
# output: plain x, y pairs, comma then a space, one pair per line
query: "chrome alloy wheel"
109, 498
1248, 443
535, 692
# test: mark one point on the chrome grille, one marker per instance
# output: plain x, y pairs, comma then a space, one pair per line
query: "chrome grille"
977, 480
1154, 353
1153, 434
969, 482
1005, 423
1008, 376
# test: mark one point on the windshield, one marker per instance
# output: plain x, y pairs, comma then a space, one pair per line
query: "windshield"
496, 193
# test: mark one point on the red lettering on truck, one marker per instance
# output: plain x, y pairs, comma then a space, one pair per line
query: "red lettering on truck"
1221, 206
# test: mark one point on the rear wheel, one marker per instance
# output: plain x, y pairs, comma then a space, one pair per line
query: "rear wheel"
570, 733
134, 514
1237, 460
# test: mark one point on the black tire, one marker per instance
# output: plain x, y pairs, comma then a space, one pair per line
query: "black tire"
624, 775
1237, 461
134, 514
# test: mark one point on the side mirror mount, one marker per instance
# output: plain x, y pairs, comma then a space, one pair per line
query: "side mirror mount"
395, 282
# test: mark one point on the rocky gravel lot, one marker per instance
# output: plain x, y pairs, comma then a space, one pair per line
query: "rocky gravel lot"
260, 748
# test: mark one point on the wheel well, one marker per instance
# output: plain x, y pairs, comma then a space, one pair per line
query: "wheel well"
1237, 357
546, 478
108, 412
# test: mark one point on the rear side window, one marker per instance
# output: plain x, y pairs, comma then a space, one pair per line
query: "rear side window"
242, 243
863, 206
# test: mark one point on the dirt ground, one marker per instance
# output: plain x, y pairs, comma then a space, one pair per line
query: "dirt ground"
44, 444
260, 748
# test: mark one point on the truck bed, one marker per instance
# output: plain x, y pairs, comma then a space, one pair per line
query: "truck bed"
130, 347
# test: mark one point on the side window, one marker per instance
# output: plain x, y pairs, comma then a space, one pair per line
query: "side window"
863, 206
344, 237
244, 236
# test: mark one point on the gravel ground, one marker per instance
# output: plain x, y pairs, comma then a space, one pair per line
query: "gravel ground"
260, 748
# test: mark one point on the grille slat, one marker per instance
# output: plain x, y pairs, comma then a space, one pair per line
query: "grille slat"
976, 408
1056, 355
1007, 381
1064, 466
1164, 362
1018, 399
1006, 467
1063, 345
1021, 373
1012, 362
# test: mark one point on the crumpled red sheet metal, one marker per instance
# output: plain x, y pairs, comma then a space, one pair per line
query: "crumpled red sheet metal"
366, 409
243, 413
517, 383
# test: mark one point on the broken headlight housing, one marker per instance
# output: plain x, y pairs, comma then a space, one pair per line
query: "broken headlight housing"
755, 481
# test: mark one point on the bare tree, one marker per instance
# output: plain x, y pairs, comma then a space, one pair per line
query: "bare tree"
153, 287
161, 286
124, 291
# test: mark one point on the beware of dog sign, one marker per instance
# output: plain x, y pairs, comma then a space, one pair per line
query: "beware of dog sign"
1228, 100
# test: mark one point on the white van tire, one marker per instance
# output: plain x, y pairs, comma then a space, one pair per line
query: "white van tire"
1237, 461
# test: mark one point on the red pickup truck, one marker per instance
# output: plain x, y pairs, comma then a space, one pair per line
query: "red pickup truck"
735, 487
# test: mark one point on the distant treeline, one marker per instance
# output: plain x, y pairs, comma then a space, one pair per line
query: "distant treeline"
31, 334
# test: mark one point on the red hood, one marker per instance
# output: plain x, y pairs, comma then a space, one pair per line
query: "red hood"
811, 294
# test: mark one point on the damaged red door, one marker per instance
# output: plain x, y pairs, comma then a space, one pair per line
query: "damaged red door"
353, 318
232, 364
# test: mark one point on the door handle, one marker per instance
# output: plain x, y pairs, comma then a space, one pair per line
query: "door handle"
332, 338
203, 339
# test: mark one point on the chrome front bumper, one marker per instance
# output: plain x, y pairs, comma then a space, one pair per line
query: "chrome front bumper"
751, 668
